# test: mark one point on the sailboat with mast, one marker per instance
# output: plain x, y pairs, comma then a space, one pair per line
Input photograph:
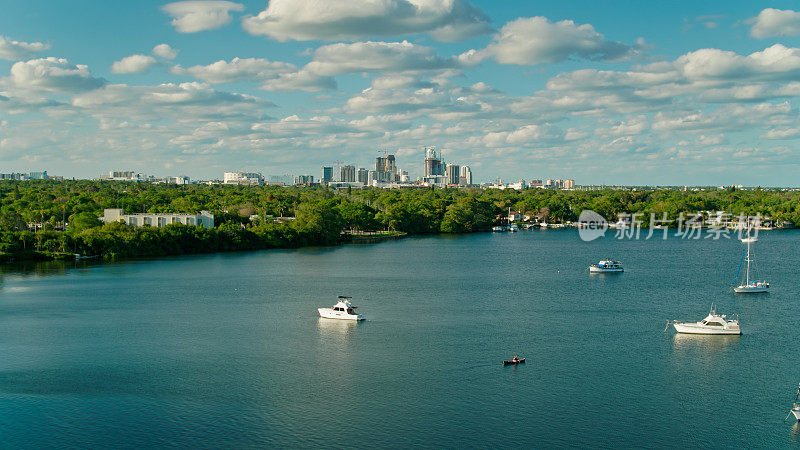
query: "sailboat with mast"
749, 286
795, 407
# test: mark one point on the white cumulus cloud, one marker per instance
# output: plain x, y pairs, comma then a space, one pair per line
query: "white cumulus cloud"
304, 20
133, 64
772, 22
52, 75
374, 57
194, 16
165, 51
16, 50
536, 40
240, 69
273, 75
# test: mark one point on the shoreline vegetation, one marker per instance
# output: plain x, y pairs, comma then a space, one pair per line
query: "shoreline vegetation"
64, 214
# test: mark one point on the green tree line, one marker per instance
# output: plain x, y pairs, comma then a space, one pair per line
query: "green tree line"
248, 217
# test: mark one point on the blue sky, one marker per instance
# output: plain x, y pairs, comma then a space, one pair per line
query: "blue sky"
699, 93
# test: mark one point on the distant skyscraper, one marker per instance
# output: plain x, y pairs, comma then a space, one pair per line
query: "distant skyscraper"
386, 168
363, 176
348, 174
569, 184
452, 173
327, 174
433, 163
465, 176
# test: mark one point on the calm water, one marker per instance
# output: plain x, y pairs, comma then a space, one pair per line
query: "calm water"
227, 350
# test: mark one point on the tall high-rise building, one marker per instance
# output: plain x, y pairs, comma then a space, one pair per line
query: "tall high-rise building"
363, 175
386, 168
569, 184
327, 174
465, 176
452, 172
433, 163
347, 174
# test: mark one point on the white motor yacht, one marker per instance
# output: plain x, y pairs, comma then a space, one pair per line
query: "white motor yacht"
712, 324
606, 266
750, 286
513, 228
341, 310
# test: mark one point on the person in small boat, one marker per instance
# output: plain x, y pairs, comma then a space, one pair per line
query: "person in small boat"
514, 358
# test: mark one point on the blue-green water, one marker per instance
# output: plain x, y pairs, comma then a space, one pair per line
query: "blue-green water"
227, 350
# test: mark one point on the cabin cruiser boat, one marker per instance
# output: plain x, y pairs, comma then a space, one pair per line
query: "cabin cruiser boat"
341, 310
712, 324
606, 266
513, 228
499, 228
749, 286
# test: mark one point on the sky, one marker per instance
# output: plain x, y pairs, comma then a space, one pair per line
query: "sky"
614, 92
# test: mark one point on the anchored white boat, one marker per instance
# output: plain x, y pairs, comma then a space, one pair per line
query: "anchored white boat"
606, 266
341, 310
795, 407
749, 286
513, 228
713, 324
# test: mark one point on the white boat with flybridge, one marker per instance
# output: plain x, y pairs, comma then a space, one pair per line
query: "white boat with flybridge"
606, 266
749, 286
713, 324
343, 309
795, 407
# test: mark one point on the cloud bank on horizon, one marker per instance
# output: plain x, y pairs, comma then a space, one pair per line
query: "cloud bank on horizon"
302, 83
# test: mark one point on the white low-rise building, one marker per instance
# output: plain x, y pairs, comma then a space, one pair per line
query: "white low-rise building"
203, 219
246, 178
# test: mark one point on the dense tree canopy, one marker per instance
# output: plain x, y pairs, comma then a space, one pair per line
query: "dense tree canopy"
64, 213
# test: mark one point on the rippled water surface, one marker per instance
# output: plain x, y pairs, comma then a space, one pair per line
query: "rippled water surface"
227, 350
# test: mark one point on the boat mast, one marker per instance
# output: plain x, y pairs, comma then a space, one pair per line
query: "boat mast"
748, 263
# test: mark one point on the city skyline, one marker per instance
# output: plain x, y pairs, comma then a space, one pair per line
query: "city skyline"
667, 94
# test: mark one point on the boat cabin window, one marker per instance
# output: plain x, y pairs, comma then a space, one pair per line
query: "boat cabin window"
349, 311
337, 309
714, 324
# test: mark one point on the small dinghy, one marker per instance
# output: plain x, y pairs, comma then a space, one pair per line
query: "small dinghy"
514, 360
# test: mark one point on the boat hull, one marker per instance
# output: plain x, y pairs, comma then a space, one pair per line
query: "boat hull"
750, 289
327, 313
694, 329
519, 361
796, 414
603, 270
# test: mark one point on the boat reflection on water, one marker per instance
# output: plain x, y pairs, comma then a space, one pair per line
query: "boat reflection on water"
709, 343
334, 329
795, 430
